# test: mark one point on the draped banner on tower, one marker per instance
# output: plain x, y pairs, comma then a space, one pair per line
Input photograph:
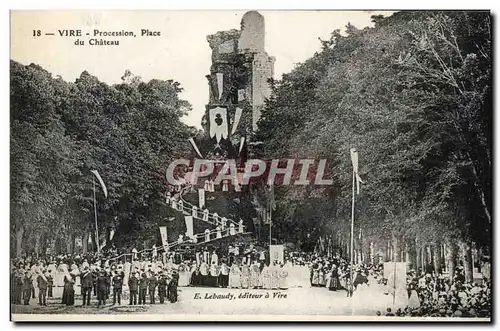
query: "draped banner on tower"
218, 123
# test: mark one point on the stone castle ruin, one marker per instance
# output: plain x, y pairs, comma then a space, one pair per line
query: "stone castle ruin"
238, 85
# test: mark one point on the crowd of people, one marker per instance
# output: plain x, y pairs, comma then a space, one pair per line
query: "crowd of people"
99, 276
155, 278
437, 296
427, 294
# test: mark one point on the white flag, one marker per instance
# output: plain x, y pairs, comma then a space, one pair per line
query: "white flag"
220, 83
201, 198
164, 238
189, 226
218, 123
104, 189
355, 166
237, 117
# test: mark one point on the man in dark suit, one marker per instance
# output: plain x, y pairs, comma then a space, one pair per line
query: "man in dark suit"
143, 288
87, 282
117, 287
162, 287
42, 288
152, 287
133, 286
102, 288
50, 283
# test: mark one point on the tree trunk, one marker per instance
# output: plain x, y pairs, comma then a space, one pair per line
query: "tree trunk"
437, 258
418, 256
38, 236
451, 256
19, 240
85, 241
395, 249
372, 253
467, 260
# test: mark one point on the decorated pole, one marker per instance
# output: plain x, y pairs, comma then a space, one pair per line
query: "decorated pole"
352, 230
95, 218
356, 180
105, 191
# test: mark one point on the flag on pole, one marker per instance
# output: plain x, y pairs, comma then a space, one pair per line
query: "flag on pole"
193, 144
164, 238
355, 166
272, 202
104, 189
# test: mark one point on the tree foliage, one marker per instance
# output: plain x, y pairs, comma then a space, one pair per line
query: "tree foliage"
413, 95
60, 131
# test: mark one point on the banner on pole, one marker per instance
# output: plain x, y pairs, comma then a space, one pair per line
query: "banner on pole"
201, 198
355, 168
189, 226
104, 189
277, 253
164, 238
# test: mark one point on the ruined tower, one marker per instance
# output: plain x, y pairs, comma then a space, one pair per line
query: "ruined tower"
238, 85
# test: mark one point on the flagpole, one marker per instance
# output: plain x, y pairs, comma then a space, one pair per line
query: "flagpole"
270, 226
95, 218
352, 229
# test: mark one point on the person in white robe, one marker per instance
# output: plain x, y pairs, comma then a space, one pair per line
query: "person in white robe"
274, 276
315, 276
204, 280
218, 231
214, 274
207, 235
266, 277
254, 275
234, 276
59, 276
214, 258
414, 301
245, 276
283, 278
240, 226
232, 231
184, 275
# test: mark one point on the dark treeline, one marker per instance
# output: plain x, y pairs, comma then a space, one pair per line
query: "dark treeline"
60, 131
413, 95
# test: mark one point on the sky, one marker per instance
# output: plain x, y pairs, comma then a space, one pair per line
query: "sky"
181, 52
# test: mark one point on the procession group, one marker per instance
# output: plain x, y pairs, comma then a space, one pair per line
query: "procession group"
96, 276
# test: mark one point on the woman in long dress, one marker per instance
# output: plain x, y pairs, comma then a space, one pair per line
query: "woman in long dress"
59, 276
195, 275
321, 276
245, 276
266, 277
254, 276
183, 275
68, 297
283, 278
334, 279
234, 276
414, 301
315, 276
274, 277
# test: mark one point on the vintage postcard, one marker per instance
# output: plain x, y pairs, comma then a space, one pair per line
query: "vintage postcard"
250, 165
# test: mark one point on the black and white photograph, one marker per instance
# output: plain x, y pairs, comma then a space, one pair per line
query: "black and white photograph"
251, 165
